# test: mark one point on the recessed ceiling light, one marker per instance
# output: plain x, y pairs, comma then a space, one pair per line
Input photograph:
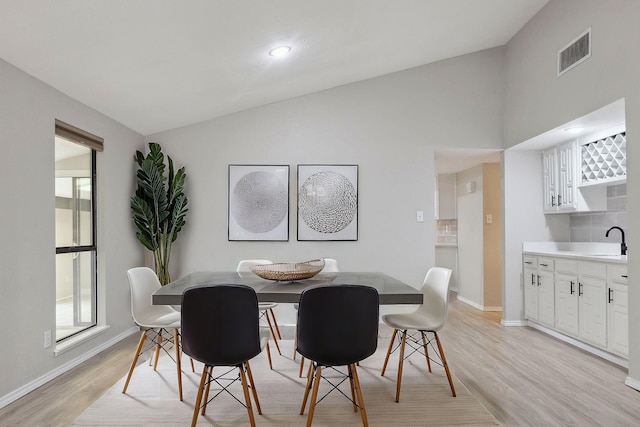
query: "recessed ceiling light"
280, 51
574, 129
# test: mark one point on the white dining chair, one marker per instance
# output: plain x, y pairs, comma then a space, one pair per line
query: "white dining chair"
265, 308
330, 266
159, 323
430, 317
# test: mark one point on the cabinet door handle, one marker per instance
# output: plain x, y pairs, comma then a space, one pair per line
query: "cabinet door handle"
528, 262
538, 280
580, 289
533, 279
545, 265
610, 295
623, 276
559, 198
553, 200
571, 287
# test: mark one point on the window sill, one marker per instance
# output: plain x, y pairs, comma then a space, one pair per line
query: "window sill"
79, 339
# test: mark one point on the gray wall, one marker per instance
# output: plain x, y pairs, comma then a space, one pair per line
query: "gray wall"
537, 100
470, 237
523, 221
389, 126
28, 109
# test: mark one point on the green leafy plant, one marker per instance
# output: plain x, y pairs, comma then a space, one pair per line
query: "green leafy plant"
159, 206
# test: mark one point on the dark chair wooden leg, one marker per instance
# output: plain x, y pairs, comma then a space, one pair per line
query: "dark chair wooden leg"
314, 395
307, 388
253, 388
206, 392
363, 411
196, 408
247, 399
353, 388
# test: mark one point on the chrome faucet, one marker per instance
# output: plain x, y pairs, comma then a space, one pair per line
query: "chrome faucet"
623, 245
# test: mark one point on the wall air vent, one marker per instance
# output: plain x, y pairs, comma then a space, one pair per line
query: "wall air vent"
575, 52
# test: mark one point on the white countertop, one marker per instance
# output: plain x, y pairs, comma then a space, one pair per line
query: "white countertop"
606, 252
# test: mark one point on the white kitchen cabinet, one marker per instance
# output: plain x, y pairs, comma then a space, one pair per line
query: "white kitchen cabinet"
592, 303
617, 311
530, 278
445, 196
549, 180
546, 295
560, 177
566, 296
538, 290
583, 299
567, 176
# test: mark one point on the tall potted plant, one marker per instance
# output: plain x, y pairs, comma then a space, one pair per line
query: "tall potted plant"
159, 206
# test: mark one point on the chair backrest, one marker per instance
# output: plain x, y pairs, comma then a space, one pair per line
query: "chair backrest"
246, 264
435, 294
143, 282
338, 324
330, 266
220, 324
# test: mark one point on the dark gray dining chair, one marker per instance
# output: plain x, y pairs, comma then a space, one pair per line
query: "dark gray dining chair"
337, 326
220, 327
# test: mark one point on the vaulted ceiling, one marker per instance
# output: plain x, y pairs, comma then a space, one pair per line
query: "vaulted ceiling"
154, 65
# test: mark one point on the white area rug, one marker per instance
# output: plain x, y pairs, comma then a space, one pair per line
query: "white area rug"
152, 397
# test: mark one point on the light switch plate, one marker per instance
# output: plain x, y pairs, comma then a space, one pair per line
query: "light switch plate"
420, 216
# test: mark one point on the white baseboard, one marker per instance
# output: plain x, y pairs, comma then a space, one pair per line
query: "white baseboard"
633, 383
581, 345
469, 302
514, 323
476, 305
29, 387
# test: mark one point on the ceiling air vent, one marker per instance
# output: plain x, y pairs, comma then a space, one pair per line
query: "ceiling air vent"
575, 52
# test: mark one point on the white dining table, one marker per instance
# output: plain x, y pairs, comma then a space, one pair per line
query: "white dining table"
390, 290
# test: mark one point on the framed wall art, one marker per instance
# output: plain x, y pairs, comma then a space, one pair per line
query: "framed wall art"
259, 202
327, 202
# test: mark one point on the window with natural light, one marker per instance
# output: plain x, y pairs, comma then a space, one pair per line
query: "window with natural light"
75, 233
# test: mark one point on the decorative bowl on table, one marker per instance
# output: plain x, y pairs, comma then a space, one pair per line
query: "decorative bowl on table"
289, 271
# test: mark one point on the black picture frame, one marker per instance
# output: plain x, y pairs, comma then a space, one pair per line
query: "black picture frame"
258, 203
327, 207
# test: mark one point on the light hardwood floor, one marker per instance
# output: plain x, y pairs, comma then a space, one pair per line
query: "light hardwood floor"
523, 376
528, 378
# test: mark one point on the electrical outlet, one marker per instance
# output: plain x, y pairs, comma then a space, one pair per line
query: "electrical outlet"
47, 338
489, 219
